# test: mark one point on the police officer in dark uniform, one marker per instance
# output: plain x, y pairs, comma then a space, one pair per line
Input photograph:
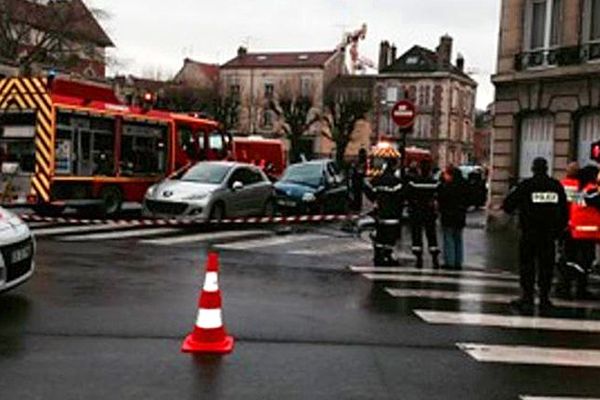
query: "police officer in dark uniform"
543, 213
422, 196
386, 191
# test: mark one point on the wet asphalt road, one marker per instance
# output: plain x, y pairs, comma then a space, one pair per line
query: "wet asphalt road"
106, 319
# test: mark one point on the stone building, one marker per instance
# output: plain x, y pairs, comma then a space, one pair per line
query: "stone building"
547, 88
258, 79
443, 92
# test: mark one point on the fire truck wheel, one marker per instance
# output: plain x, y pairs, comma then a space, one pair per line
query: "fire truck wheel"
112, 200
218, 212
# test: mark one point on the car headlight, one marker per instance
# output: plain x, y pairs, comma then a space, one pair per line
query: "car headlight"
197, 196
151, 191
309, 197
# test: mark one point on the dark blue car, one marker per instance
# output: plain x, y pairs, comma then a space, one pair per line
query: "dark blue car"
312, 187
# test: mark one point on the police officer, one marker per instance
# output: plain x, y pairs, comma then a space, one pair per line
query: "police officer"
543, 213
422, 194
386, 191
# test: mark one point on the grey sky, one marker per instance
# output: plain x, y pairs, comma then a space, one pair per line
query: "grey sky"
153, 34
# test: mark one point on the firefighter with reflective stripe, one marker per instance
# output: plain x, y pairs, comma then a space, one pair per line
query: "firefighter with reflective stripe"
387, 192
422, 193
578, 253
543, 215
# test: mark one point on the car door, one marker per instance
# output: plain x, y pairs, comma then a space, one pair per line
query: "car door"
239, 202
337, 190
261, 191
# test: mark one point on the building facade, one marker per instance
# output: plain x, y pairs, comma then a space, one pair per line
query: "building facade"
53, 35
261, 79
547, 92
444, 95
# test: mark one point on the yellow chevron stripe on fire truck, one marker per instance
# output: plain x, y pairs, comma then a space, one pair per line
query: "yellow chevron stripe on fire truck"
31, 93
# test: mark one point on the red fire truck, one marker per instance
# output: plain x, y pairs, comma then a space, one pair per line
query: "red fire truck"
66, 143
269, 154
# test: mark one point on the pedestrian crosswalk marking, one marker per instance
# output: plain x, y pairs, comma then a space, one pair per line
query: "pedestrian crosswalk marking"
555, 398
119, 234
529, 355
508, 321
74, 229
464, 273
206, 236
407, 278
270, 242
493, 298
332, 248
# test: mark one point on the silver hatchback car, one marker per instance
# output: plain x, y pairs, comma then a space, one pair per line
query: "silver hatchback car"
212, 191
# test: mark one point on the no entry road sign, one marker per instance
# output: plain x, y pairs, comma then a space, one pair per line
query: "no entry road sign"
404, 113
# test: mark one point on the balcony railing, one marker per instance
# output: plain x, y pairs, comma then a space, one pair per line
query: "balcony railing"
557, 57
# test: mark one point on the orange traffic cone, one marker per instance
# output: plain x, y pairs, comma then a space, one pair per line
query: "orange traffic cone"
209, 335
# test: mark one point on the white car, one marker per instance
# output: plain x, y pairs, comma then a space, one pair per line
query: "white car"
212, 190
17, 248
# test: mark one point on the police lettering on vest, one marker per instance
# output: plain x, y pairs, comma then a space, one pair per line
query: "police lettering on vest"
544, 198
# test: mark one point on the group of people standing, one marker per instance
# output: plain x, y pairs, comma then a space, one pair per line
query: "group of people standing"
429, 199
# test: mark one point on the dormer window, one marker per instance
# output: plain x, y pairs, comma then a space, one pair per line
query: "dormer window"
413, 60
303, 57
261, 58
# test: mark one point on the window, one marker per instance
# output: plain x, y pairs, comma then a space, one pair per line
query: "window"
305, 87
589, 132
543, 24
234, 90
84, 146
537, 140
17, 132
143, 149
269, 90
245, 176
591, 21
267, 121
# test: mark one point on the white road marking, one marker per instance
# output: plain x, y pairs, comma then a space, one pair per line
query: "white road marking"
441, 280
76, 229
565, 357
341, 246
507, 321
466, 273
118, 235
479, 297
270, 242
33, 225
207, 236
555, 398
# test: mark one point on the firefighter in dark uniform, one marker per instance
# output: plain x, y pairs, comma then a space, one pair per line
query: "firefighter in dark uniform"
543, 214
422, 193
386, 191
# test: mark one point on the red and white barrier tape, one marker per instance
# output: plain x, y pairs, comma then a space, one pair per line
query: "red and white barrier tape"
299, 219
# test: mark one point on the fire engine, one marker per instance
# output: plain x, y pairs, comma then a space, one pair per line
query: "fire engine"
385, 150
68, 143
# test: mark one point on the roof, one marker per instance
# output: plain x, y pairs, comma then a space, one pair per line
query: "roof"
299, 59
83, 23
420, 59
209, 70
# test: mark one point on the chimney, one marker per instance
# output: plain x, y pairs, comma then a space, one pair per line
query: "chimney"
444, 50
242, 51
384, 55
460, 62
393, 52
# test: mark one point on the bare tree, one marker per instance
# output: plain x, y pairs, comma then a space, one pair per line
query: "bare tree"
226, 111
49, 33
184, 98
343, 112
294, 108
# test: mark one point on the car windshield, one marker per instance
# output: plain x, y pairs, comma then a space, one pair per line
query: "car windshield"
206, 173
306, 174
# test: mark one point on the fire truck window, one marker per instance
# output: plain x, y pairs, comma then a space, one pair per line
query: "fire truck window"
186, 141
217, 148
103, 153
143, 149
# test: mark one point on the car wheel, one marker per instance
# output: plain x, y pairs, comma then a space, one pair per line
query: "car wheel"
112, 200
217, 213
